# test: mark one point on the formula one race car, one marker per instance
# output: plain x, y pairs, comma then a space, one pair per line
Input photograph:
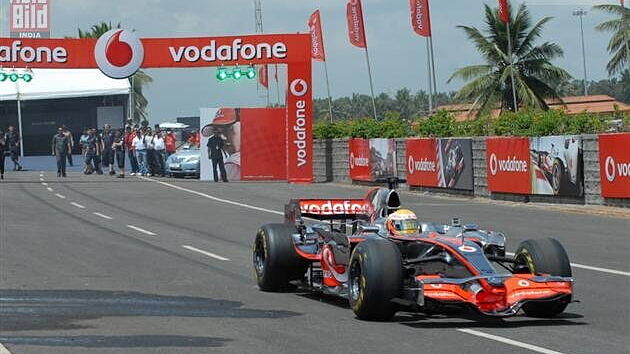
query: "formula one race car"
349, 252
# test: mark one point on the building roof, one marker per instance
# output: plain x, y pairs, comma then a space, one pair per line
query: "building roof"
571, 105
63, 83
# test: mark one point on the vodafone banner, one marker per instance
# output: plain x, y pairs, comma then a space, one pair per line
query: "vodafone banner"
614, 165
422, 166
317, 37
508, 162
356, 28
444, 163
359, 160
420, 17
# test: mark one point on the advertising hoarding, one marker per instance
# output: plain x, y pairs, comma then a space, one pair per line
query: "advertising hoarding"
29, 18
443, 163
508, 165
556, 165
614, 165
371, 159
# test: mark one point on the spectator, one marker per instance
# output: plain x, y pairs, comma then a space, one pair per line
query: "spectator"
170, 140
131, 151
13, 142
141, 152
60, 149
216, 146
195, 138
82, 142
3, 148
149, 141
108, 150
68, 134
119, 150
160, 154
92, 151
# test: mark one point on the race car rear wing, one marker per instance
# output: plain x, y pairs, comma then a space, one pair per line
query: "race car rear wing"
327, 209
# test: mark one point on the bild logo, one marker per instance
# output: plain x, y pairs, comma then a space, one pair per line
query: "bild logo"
119, 53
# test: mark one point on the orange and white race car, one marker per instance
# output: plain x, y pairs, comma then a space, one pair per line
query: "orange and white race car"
350, 250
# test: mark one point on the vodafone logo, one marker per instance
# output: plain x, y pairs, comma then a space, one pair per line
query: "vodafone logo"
613, 169
119, 53
358, 161
424, 165
298, 87
509, 165
467, 249
334, 207
523, 283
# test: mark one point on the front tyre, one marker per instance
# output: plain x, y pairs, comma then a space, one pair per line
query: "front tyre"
544, 256
276, 263
375, 278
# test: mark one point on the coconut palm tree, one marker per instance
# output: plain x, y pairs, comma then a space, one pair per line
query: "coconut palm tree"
619, 45
138, 81
535, 76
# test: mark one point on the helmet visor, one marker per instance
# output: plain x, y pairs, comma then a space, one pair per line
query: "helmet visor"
406, 226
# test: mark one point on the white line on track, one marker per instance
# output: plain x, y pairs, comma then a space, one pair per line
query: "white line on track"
204, 195
41, 179
60, 196
4, 350
512, 342
209, 254
50, 189
146, 232
597, 269
77, 205
44, 184
103, 216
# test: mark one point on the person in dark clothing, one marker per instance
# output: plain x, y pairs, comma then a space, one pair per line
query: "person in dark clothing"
119, 151
68, 133
98, 158
13, 142
215, 153
108, 150
60, 149
91, 146
3, 149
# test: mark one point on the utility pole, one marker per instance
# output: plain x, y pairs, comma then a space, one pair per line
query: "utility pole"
581, 13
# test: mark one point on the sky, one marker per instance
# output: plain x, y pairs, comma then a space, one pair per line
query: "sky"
397, 54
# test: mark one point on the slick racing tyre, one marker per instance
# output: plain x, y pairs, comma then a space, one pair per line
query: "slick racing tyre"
375, 278
544, 256
557, 177
275, 261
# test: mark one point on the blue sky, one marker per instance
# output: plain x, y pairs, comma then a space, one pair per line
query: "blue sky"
398, 55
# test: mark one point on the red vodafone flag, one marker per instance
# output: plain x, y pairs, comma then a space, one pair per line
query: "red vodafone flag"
420, 17
317, 37
356, 29
263, 76
504, 11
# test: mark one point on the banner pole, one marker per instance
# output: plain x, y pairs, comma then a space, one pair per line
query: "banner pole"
328, 88
511, 69
367, 59
433, 68
277, 85
429, 80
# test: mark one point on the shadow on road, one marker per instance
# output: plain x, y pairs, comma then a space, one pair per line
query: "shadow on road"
468, 319
25, 310
118, 341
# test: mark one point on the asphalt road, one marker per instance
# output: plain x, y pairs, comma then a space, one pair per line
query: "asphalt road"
99, 265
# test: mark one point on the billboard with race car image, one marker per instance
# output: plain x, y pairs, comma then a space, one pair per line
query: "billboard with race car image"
370, 159
614, 165
444, 163
557, 165
249, 144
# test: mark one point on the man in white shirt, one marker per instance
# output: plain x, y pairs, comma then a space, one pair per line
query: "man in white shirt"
160, 153
141, 153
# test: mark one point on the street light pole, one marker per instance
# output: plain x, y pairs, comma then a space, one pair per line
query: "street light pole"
581, 13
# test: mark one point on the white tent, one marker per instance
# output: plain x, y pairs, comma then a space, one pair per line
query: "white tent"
63, 83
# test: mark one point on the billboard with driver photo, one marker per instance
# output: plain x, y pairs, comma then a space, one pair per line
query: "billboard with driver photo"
444, 163
557, 165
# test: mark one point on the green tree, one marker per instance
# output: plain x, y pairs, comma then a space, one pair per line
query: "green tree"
534, 75
619, 45
138, 81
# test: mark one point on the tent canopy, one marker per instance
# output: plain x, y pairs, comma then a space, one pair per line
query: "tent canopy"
63, 83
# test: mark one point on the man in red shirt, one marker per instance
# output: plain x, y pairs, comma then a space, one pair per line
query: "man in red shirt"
170, 140
131, 151
195, 138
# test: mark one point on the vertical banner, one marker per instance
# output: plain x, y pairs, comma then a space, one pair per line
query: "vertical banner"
300, 124
557, 165
317, 37
356, 29
507, 162
614, 165
264, 151
422, 166
359, 160
420, 17
263, 76
444, 163
29, 18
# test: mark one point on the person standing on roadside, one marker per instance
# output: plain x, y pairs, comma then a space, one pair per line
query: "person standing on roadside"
150, 157
3, 149
119, 151
82, 141
68, 134
195, 138
13, 142
170, 140
160, 153
131, 151
91, 152
215, 146
60, 149
141, 152
108, 151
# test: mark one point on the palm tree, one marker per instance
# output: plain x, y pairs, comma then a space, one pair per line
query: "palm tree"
534, 75
138, 81
619, 45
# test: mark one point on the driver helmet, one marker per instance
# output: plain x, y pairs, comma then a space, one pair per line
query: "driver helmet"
403, 222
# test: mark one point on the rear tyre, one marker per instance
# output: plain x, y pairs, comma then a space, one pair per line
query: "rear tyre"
557, 177
544, 256
375, 278
276, 263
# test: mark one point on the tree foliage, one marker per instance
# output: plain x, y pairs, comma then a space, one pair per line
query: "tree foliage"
619, 44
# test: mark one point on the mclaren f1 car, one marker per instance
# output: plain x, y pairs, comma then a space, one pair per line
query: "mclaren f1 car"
343, 247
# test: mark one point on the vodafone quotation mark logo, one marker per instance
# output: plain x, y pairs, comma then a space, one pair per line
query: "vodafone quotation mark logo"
494, 165
299, 87
119, 53
610, 169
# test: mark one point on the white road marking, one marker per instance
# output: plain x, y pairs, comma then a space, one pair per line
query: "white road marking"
146, 232
50, 189
44, 184
209, 254
597, 269
41, 175
77, 205
41, 179
103, 216
60, 196
4, 350
204, 195
512, 342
